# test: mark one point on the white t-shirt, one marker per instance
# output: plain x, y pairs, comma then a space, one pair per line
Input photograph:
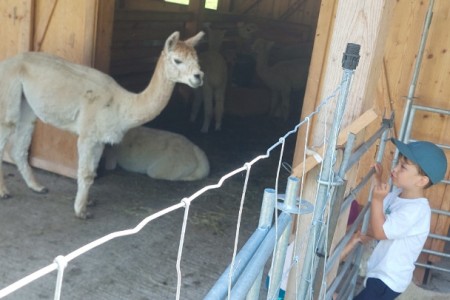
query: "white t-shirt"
407, 226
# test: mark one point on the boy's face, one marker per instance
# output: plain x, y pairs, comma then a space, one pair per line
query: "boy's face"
406, 175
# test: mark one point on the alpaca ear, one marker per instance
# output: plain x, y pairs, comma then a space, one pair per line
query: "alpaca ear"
193, 41
172, 40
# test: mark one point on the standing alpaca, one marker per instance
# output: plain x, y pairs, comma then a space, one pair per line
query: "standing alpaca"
212, 93
86, 102
281, 78
160, 154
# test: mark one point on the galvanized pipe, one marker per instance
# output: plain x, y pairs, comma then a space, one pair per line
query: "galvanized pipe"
436, 253
279, 257
309, 266
259, 259
348, 263
426, 266
265, 221
364, 147
365, 224
334, 192
439, 237
220, 288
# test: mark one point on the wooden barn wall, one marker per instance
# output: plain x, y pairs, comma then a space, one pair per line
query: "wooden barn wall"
66, 28
400, 53
17, 27
432, 90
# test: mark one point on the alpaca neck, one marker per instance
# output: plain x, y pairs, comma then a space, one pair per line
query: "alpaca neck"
262, 68
148, 104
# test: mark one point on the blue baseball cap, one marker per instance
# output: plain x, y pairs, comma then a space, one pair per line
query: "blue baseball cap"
429, 157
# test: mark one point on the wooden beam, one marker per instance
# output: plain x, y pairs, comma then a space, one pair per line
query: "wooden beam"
360, 22
291, 9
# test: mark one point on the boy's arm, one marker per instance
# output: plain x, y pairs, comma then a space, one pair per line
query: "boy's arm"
377, 218
380, 191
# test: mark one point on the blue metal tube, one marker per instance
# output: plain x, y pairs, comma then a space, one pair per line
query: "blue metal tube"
220, 288
256, 264
265, 221
279, 257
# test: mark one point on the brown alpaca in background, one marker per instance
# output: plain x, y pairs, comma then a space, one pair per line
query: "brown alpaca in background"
212, 93
281, 78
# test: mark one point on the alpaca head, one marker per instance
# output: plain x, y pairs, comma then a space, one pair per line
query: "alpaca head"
261, 46
246, 30
215, 38
181, 61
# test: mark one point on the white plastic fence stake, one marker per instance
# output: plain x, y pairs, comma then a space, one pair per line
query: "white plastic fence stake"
62, 264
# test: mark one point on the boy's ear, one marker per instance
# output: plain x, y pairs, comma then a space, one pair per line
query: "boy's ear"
424, 180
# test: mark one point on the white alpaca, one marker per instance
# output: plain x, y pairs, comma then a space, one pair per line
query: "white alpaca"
86, 102
212, 93
160, 154
281, 78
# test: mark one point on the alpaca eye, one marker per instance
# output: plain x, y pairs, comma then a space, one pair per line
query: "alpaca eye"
177, 61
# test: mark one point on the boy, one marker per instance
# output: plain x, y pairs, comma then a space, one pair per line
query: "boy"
400, 220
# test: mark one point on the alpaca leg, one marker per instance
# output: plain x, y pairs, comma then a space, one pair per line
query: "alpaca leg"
10, 106
5, 132
21, 143
89, 153
219, 107
273, 103
285, 103
207, 103
198, 98
110, 157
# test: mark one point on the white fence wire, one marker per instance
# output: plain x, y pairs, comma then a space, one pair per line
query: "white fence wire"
61, 261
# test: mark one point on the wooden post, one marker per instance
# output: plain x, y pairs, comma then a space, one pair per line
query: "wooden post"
360, 22
68, 29
197, 7
17, 27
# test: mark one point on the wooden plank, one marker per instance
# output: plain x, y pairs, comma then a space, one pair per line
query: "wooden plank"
16, 31
316, 69
89, 32
356, 127
145, 25
137, 53
69, 29
143, 34
154, 16
104, 29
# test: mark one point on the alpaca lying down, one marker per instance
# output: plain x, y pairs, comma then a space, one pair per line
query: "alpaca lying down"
161, 155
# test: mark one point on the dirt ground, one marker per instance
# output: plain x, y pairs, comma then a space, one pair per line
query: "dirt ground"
36, 228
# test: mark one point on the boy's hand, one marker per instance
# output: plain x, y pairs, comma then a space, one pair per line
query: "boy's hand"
380, 189
358, 237
379, 192
378, 173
